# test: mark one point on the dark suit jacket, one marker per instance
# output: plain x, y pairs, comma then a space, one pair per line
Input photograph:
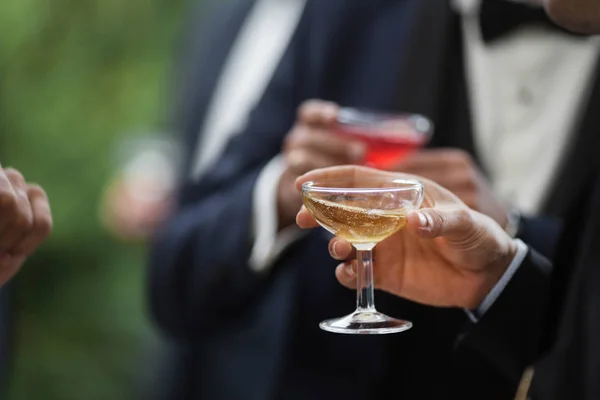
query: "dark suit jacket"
550, 322
211, 32
256, 336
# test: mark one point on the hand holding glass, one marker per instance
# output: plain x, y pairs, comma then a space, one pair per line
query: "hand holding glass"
364, 212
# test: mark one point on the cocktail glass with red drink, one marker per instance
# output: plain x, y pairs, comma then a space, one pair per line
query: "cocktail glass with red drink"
388, 137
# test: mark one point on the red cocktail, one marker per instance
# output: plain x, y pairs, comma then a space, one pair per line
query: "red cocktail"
389, 138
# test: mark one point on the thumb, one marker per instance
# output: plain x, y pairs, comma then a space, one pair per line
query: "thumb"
318, 112
455, 224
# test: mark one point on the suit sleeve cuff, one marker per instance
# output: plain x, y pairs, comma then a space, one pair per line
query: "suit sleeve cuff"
488, 301
268, 243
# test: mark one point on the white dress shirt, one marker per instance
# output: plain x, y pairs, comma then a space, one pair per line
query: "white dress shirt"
527, 91
253, 59
254, 56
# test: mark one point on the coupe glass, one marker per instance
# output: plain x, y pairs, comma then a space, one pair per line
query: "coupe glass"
388, 137
364, 212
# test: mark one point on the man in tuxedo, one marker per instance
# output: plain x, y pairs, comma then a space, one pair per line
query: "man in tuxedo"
452, 256
251, 309
534, 330
221, 78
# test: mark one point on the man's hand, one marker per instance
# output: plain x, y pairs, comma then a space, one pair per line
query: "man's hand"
25, 221
448, 255
456, 171
312, 144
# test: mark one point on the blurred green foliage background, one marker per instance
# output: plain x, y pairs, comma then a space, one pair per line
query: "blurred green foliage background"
75, 77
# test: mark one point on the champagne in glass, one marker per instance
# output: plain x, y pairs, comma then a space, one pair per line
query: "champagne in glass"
355, 224
364, 212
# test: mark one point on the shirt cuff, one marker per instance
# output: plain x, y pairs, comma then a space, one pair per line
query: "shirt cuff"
497, 290
268, 242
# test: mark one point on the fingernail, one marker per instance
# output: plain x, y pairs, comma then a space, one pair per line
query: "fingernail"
423, 220
349, 270
335, 254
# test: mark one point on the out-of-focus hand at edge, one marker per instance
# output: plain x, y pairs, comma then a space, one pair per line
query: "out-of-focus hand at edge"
25, 221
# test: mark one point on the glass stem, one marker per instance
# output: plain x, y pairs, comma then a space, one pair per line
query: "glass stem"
365, 298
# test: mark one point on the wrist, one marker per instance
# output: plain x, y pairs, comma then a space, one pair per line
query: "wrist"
494, 272
498, 288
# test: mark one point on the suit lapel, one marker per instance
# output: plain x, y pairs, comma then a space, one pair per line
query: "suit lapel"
206, 59
571, 360
432, 78
397, 57
402, 56
423, 51
578, 159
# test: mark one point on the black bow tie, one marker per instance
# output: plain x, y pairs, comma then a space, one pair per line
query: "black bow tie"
500, 17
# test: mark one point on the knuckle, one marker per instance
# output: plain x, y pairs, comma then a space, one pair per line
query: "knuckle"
43, 225
314, 110
308, 107
36, 189
8, 201
294, 143
465, 217
297, 137
23, 222
12, 173
460, 157
288, 142
470, 182
296, 161
438, 222
463, 214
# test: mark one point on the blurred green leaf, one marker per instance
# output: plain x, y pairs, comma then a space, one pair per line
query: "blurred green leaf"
75, 77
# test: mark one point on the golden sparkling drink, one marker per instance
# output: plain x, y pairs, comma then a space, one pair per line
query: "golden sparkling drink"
356, 224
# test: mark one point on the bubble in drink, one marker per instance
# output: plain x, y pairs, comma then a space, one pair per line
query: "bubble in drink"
356, 224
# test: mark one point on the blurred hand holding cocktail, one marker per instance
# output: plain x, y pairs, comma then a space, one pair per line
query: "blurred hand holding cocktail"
395, 142
326, 135
388, 137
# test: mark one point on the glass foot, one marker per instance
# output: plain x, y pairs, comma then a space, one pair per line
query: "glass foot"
365, 323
